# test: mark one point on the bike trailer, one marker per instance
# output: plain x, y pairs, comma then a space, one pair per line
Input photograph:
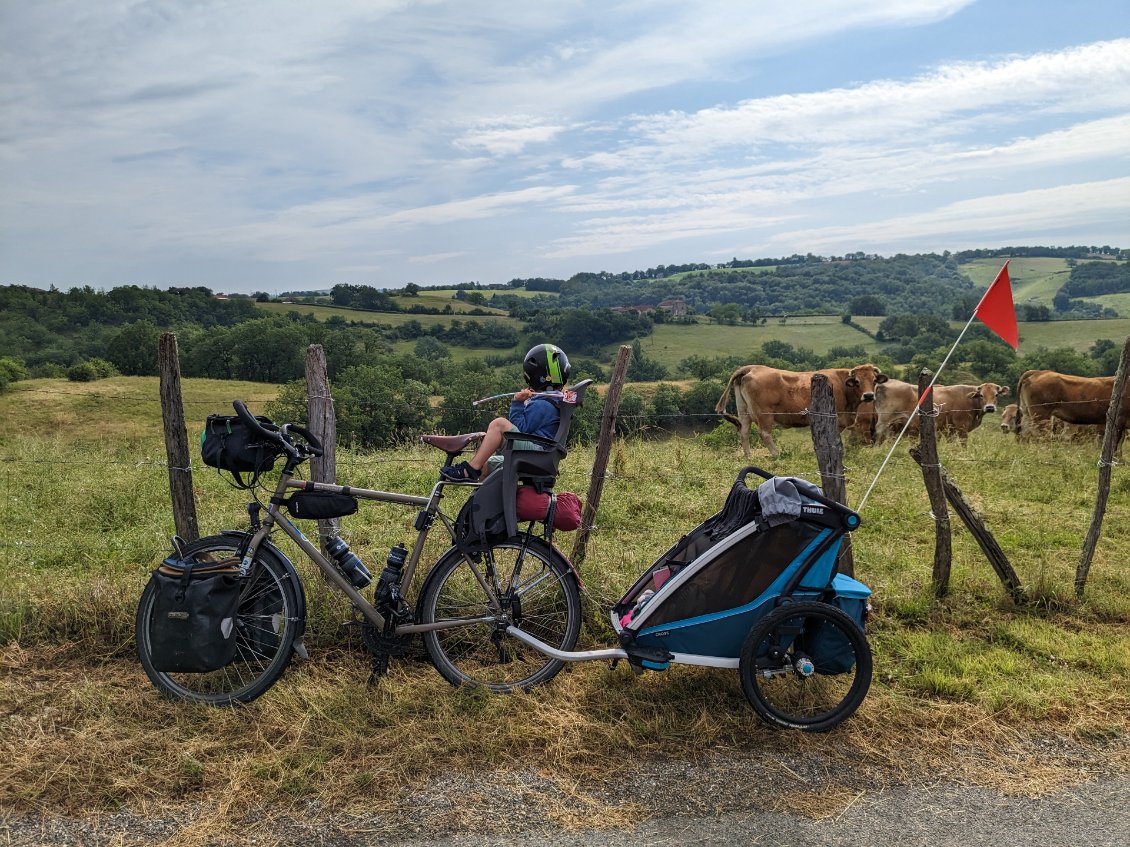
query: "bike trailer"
768, 545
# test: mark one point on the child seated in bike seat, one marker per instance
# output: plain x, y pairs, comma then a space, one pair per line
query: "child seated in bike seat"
545, 368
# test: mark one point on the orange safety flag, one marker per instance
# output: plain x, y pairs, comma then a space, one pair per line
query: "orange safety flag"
997, 311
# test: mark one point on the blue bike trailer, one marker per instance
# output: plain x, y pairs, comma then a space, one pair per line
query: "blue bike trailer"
777, 543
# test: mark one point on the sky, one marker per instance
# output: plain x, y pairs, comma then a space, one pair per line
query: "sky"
276, 145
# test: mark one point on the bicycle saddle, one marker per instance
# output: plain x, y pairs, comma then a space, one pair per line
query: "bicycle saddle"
453, 444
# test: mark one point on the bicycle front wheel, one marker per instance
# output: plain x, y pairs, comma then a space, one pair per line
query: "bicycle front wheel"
528, 585
266, 626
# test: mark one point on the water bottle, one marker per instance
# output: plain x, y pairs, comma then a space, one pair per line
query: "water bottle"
389, 585
349, 563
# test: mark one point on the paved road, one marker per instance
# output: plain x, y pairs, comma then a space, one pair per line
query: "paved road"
1092, 815
1095, 814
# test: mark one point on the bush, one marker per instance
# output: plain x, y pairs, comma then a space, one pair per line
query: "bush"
11, 370
48, 370
91, 370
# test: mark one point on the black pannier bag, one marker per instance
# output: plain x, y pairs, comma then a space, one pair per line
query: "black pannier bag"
193, 625
320, 505
482, 520
228, 444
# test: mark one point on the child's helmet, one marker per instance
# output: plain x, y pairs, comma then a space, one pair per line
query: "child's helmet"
545, 366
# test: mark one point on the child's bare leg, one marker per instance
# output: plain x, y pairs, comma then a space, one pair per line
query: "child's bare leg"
490, 443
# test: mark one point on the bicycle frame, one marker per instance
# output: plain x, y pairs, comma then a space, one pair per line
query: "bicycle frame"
430, 507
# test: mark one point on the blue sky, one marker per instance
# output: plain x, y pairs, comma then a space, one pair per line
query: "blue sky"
275, 145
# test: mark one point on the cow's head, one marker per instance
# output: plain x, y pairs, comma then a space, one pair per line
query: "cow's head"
865, 378
1009, 417
991, 392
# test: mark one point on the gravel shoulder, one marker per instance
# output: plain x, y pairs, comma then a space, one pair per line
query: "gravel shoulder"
728, 799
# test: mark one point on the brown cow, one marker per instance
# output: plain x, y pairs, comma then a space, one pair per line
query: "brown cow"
1047, 396
1010, 418
960, 407
773, 396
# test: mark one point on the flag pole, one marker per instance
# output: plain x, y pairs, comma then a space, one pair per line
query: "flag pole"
929, 388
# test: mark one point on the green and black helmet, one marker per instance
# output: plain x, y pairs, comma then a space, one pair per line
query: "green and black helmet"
545, 366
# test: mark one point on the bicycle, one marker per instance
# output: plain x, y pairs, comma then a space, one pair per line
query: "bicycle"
480, 608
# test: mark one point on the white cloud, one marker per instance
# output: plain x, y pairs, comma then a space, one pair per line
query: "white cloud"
993, 217
365, 135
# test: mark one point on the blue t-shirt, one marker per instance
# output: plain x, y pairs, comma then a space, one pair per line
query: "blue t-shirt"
537, 416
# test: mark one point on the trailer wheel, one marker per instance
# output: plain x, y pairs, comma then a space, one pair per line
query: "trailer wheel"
806, 665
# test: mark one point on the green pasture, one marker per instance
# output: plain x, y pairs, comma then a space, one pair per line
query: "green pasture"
1035, 280
671, 343
1119, 302
85, 516
323, 313
438, 300
489, 293
1079, 335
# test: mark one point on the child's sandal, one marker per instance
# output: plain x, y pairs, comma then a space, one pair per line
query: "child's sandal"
463, 472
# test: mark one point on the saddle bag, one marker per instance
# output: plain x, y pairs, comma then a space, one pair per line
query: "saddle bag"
192, 627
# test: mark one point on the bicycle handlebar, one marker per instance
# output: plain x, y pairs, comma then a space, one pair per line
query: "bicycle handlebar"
313, 446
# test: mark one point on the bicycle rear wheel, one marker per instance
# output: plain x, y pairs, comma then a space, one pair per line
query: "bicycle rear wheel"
266, 626
531, 587
805, 665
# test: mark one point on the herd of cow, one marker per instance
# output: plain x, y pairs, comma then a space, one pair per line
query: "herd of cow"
874, 406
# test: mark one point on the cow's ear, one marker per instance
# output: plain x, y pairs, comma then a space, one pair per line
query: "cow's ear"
1002, 390
852, 380
973, 395
880, 378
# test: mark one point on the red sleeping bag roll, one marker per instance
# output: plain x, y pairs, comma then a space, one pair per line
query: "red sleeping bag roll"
534, 507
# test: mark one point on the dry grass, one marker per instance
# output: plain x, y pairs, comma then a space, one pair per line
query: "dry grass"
970, 687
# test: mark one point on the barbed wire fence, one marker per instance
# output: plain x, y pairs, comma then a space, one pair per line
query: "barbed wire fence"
574, 476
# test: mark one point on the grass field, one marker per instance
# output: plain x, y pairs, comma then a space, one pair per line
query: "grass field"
391, 318
1035, 281
671, 343
490, 293
1078, 335
966, 685
1119, 302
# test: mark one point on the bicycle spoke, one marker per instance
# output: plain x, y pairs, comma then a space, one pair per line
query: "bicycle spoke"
264, 632
543, 602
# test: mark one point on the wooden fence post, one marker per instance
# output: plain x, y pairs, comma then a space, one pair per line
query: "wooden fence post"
603, 450
1106, 461
926, 454
323, 423
988, 544
176, 439
825, 427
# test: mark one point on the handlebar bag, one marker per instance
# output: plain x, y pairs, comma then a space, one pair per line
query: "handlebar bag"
192, 627
229, 444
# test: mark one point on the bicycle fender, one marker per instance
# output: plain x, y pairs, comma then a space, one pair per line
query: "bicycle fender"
269, 549
572, 567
